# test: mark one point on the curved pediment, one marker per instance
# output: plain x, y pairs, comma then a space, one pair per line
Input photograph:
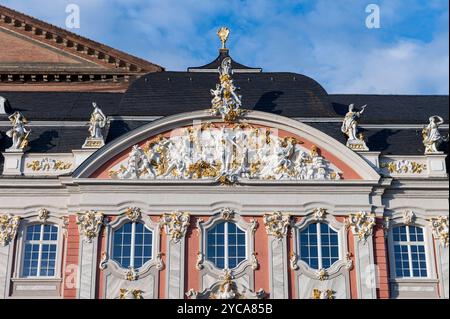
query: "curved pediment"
197, 146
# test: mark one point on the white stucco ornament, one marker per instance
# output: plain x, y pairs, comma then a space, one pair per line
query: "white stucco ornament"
43, 215
133, 214
89, 224
224, 153
9, 225
432, 138
408, 217
226, 289
361, 224
176, 225
440, 229
277, 224
18, 133
350, 128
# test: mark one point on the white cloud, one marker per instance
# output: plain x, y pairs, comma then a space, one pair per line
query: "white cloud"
328, 41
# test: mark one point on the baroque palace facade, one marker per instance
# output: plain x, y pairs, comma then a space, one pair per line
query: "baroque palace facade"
119, 179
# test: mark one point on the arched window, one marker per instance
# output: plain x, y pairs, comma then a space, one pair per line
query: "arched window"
40, 249
409, 252
132, 245
226, 245
318, 245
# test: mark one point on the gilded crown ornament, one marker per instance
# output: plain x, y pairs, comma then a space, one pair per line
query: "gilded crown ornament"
9, 225
223, 34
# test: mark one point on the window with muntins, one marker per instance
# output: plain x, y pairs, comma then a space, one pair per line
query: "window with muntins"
409, 252
132, 245
40, 249
318, 245
226, 245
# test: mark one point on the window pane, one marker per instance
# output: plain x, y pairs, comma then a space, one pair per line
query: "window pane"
215, 246
409, 251
33, 247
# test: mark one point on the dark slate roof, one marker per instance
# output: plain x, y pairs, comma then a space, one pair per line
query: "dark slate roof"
387, 141
287, 94
394, 109
60, 106
169, 93
50, 139
214, 65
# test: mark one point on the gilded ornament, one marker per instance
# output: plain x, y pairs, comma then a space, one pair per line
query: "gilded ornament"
9, 225
325, 294
89, 224
176, 225
133, 214
223, 34
404, 167
440, 229
319, 213
277, 224
361, 224
322, 274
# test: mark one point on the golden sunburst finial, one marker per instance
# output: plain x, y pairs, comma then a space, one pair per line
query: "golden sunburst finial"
223, 34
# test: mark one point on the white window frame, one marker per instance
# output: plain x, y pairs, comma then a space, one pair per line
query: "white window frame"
40, 242
111, 266
226, 256
408, 243
319, 242
209, 267
133, 241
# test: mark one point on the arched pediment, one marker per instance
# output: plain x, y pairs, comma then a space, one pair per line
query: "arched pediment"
196, 146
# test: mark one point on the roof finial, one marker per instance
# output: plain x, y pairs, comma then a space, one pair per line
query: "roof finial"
223, 34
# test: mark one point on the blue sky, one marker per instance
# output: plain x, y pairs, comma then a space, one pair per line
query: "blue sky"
326, 40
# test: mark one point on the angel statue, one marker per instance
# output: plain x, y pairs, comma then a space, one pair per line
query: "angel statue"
432, 138
19, 134
97, 122
350, 124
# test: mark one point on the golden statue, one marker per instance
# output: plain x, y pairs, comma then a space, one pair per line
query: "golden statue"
223, 34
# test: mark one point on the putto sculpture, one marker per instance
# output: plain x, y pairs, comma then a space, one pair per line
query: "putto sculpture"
350, 128
432, 138
18, 133
96, 124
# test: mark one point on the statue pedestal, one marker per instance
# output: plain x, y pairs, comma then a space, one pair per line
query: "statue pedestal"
13, 162
93, 143
357, 145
